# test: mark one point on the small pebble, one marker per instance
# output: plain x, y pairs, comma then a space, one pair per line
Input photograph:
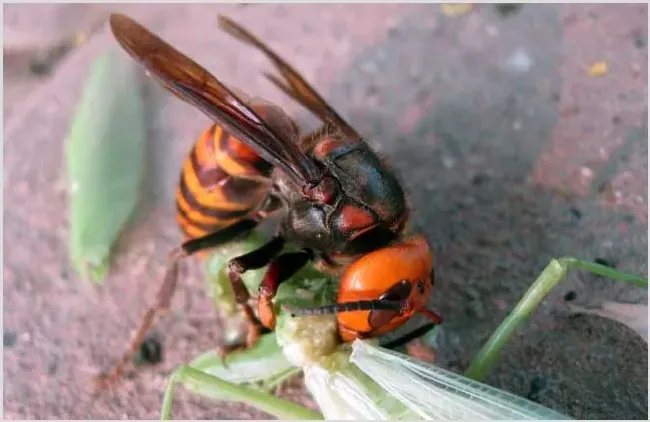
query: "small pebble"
537, 385
586, 172
629, 218
9, 339
575, 213
598, 69
570, 296
40, 67
64, 274
150, 351
605, 262
52, 365
456, 9
519, 61
448, 162
506, 9
479, 179
639, 40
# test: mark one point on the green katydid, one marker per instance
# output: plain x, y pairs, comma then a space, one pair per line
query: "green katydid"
330, 373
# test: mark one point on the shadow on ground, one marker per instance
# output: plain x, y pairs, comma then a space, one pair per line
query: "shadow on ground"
465, 127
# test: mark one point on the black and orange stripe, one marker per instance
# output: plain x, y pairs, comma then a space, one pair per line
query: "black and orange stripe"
217, 186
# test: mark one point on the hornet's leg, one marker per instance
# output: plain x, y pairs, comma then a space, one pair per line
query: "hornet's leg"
413, 342
280, 270
253, 260
432, 315
167, 290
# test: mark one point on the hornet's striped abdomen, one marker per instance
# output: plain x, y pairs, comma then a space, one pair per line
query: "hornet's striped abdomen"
217, 184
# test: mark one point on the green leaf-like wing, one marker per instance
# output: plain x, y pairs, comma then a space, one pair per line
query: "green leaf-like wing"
105, 151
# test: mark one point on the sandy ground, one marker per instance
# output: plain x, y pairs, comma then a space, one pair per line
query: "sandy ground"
512, 153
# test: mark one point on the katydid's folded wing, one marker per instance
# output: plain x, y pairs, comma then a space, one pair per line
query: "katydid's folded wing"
434, 393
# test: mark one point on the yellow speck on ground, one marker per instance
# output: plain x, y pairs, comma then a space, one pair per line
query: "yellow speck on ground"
598, 69
79, 39
456, 9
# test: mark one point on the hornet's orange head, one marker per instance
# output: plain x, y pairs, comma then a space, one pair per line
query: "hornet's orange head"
401, 274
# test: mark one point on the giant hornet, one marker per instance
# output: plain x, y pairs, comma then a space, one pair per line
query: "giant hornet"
337, 199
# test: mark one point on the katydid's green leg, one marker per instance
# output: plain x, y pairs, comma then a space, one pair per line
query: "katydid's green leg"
212, 387
552, 275
606, 271
276, 382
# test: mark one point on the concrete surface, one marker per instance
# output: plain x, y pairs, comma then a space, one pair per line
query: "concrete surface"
512, 153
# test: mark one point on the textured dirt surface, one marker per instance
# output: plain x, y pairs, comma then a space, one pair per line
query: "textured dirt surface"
512, 153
